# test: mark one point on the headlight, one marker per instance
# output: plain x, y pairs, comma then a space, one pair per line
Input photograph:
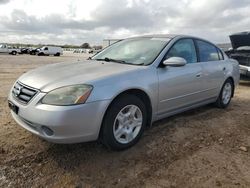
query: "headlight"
69, 95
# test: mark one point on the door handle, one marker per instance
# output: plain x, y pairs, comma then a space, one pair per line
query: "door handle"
224, 68
198, 75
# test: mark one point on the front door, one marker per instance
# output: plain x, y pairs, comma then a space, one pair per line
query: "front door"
180, 87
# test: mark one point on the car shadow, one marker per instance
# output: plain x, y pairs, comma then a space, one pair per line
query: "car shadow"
192, 112
245, 81
71, 156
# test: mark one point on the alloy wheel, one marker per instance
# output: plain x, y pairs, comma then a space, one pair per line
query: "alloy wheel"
127, 124
226, 93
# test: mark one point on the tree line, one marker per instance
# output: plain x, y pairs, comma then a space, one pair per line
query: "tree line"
84, 45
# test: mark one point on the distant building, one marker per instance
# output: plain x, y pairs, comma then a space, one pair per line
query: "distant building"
108, 42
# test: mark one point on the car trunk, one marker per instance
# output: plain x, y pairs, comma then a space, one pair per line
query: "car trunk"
240, 39
241, 48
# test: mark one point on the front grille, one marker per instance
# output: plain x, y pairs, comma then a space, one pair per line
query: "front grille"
23, 93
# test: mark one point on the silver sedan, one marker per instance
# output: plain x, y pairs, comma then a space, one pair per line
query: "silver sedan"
120, 91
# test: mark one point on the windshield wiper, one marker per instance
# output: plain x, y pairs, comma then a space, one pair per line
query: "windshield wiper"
110, 59
117, 61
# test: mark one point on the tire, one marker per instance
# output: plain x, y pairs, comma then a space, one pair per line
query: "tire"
57, 54
226, 94
13, 52
128, 126
40, 54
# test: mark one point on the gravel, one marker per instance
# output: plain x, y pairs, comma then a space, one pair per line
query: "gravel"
205, 147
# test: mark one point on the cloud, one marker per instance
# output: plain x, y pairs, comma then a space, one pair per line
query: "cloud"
4, 1
213, 20
53, 23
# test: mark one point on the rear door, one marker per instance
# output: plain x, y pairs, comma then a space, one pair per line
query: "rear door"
213, 67
180, 87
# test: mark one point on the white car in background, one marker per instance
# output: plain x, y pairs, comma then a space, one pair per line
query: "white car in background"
50, 50
4, 48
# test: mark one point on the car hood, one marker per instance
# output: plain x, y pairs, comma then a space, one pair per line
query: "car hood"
57, 75
240, 39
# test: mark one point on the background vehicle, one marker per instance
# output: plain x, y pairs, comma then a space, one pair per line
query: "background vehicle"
25, 50
50, 50
81, 51
93, 51
7, 49
241, 51
125, 88
34, 51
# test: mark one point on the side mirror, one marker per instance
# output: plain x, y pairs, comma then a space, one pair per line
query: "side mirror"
175, 62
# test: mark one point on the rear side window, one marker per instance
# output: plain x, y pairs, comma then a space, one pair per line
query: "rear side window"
207, 52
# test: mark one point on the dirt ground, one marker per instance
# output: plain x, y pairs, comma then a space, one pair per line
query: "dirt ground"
198, 148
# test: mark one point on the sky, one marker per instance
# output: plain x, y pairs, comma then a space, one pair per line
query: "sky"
79, 21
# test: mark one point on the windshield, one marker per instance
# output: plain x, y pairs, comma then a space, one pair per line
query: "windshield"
137, 51
2, 46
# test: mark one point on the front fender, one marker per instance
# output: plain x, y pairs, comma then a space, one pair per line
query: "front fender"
145, 80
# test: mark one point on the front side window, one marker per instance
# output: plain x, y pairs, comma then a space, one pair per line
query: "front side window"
137, 51
1, 46
207, 52
183, 48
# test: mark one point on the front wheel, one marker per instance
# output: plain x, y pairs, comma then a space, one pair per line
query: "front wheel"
124, 123
225, 94
41, 54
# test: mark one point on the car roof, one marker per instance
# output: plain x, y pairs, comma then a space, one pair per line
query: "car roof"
170, 36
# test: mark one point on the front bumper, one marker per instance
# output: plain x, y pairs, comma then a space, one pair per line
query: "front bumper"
245, 70
70, 124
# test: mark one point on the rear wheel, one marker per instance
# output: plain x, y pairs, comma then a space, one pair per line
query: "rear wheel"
13, 52
225, 94
57, 54
124, 123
